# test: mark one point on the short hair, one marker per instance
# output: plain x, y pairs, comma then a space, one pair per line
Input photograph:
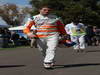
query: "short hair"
75, 20
45, 6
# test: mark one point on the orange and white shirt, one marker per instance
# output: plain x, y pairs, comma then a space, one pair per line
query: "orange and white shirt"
45, 25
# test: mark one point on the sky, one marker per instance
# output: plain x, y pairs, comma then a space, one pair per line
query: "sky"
17, 2
2, 22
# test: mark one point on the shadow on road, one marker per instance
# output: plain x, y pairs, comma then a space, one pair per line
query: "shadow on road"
93, 51
76, 65
10, 66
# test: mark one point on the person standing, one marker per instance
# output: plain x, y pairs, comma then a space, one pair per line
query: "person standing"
48, 29
89, 35
77, 34
96, 36
15, 38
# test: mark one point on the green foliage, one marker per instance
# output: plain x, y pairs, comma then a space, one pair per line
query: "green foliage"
88, 11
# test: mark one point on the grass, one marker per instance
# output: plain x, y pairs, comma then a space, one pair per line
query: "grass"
12, 47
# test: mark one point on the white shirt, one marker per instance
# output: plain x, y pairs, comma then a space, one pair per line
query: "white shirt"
73, 29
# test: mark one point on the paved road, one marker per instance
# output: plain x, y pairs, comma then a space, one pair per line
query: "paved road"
28, 61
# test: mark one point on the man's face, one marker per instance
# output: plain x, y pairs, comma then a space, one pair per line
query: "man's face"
45, 11
76, 23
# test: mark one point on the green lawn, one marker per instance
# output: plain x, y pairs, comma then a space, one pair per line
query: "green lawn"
12, 48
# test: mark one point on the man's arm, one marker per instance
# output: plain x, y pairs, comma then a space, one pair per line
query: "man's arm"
67, 29
61, 28
27, 29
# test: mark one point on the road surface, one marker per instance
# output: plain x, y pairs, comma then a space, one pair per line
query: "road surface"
28, 61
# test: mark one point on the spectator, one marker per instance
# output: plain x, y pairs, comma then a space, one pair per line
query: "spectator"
96, 36
89, 35
15, 38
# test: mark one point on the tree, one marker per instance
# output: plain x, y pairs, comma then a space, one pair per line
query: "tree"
88, 11
12, 14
